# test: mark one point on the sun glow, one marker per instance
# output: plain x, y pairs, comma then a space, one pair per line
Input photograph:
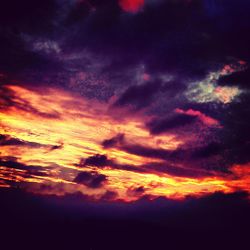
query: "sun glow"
52, 130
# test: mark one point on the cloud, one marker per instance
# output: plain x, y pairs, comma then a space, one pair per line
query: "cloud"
116, 140
165, 56
211, 149
206, 159
241, 79
47, 47
139, 96
141, 150
208, 90
109, 196
78, 12
182, 167
176, 47
11, 99
12, 162
102, 161
38, 11
55, 147
90, 179
163, 125
207, 120
6, 140
137, 149
16, 173
97, 160
136, 191
15, 55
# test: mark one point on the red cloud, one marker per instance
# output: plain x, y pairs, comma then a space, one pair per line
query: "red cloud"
209, 121
131, 5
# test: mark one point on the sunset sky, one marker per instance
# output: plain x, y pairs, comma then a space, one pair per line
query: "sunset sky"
121, 101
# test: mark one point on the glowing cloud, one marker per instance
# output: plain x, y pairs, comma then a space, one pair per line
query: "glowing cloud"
208, 91
132, 6
47, 140
209, 121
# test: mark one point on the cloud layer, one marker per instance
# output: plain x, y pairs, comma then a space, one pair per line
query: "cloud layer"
122, 98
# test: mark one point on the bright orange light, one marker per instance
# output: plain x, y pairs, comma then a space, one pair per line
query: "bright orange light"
59, 128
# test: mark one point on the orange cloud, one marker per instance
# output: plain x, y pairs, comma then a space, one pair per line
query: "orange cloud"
53, 130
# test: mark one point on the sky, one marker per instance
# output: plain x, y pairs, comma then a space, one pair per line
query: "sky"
125, 121
125, 101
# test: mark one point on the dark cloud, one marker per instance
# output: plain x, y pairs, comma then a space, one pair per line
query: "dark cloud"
6, 140
180, 38
235, 137
164, 125
188, 39
136, 149
211, 149
19, 18
207, 159
141, 150
185, 168
78, 12
241, 79
109, 196
14, 14
150, 93
102, 161
139, 96
97, 160
147, 151
55, 147
136, 191
90, 179
27, 171
12, 162
116, 140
